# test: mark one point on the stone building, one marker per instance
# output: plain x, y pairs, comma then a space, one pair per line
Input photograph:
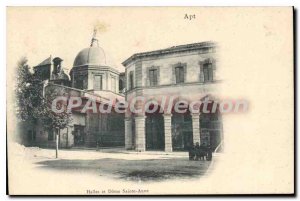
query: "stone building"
92, 76
187, 71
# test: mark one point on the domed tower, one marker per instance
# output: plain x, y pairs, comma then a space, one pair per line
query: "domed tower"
93, 72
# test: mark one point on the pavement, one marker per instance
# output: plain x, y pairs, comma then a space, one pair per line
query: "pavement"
117, 163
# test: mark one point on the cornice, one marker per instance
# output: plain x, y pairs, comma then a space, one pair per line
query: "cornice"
171, 50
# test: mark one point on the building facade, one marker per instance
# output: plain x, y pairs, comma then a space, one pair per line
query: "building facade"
190, 73
185, 72
91, 77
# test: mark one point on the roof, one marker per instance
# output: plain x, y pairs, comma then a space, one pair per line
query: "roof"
45, 62
90, 56
57, 59
173, 49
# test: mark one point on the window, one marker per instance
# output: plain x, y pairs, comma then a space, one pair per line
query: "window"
179, 72
121, 85
98, 82
113, 84
208, 72
153, 77
131, 80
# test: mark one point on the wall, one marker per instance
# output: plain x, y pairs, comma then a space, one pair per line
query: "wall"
193, 86
66, 136
166, 63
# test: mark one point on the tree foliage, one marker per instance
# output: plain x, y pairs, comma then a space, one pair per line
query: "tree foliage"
50, 118
32, 104
28, 93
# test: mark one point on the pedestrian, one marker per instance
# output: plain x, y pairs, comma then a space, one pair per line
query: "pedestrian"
197, 151
209, 153
191, 152
98, 143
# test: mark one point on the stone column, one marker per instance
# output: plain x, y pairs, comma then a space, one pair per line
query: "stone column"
140, 133
168, 132
196, 128
128, 133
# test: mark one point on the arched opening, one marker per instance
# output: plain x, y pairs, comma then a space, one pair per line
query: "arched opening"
155, 136
211, 130
182, 131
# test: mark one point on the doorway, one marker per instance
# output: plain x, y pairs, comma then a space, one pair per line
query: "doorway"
211, 130
155, 136
182, 133
79, 135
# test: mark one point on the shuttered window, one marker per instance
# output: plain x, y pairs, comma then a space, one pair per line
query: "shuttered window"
131, 80
98, 82
208, 72
179, 72
113, 84
153, 77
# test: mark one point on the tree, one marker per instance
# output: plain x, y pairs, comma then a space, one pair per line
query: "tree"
33, 101
28, 94
50, 119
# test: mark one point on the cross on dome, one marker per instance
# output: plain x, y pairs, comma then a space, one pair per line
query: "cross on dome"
94, 41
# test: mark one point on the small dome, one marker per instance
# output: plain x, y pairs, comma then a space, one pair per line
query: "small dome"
90, 56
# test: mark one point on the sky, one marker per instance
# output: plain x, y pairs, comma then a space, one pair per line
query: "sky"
255, 63
38, 32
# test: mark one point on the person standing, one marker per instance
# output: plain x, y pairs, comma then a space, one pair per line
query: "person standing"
209, 153
191, 152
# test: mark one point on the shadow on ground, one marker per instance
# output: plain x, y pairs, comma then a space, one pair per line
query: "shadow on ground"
134, 170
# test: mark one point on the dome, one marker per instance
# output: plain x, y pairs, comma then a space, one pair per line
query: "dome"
93, 55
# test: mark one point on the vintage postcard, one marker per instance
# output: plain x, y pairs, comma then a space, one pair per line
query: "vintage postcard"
150, 100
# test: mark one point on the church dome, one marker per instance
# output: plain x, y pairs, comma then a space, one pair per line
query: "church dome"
93, 55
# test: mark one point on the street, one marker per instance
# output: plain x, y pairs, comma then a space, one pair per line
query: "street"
118, 164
